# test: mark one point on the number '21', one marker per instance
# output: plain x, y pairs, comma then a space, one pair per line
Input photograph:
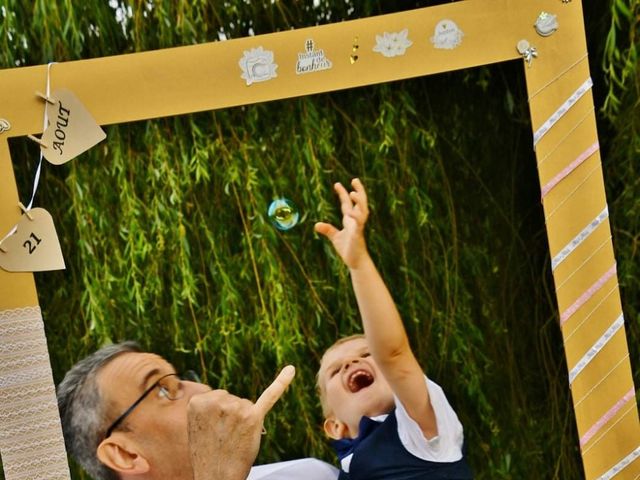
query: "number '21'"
31, 246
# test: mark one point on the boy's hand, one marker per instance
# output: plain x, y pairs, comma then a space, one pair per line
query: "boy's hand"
349, 242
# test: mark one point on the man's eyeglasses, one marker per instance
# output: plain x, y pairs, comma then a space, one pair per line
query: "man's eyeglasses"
169, 386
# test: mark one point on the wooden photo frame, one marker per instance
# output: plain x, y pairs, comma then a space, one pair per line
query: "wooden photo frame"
212, 76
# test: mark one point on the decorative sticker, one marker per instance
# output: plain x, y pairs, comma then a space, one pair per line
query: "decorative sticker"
546, 24
527, 51
4, 125
393, 44
447, 35
353, 58
257, 65
312, 60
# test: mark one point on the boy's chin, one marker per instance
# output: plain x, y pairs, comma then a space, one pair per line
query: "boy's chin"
378, 405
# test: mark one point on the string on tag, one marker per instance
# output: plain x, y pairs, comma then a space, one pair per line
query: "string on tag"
36, 179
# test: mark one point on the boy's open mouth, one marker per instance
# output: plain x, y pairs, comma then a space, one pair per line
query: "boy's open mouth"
358, 380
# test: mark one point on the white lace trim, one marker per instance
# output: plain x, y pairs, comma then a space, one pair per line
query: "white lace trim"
31, 439
25, 376
20, 313
35, 359
11, 415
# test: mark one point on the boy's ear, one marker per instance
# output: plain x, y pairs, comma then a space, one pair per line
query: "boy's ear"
335, 429
121, 455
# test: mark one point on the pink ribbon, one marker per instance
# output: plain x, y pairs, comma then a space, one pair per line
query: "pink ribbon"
606, 417
570, 168
587, 295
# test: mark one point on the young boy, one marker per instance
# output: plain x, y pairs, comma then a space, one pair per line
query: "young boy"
387, 419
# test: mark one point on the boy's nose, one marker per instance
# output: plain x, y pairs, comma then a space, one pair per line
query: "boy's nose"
350, 362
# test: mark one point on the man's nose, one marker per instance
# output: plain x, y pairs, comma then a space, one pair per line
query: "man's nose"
194, 388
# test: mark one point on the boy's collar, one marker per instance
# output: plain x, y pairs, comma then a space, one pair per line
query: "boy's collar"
367, 426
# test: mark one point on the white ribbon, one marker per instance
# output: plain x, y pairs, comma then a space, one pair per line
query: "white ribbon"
559, 113
621, 465
36, 180
593, 351
578, 239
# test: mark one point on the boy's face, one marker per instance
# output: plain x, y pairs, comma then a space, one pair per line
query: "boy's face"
354, 387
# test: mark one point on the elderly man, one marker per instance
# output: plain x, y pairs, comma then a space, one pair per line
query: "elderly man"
126, 414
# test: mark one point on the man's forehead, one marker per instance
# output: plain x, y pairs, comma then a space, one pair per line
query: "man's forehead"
132, 367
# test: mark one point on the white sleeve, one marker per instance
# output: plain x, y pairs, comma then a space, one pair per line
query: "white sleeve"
447, 445
307, 468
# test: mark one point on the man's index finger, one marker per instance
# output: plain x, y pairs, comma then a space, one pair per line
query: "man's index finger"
273, 392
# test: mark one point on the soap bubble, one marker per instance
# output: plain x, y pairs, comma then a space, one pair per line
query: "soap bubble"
283, 214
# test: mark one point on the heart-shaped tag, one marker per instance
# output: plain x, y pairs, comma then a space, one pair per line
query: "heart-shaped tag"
34, 247
71, 131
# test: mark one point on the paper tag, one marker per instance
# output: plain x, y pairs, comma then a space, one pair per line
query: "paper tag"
34, 247
71, 131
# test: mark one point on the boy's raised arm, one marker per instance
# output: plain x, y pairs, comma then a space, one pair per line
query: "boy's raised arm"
382, 324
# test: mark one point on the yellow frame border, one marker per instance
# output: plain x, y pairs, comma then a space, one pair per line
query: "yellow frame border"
203, 77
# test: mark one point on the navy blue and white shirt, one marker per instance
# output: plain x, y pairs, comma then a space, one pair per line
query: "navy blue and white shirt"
393, 446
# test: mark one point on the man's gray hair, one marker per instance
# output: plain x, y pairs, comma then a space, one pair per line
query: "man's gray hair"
82, 409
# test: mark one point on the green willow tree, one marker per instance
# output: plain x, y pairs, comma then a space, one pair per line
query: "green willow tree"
167, 241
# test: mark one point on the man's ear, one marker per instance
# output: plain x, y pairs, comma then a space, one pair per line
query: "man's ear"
121, 455
335, 429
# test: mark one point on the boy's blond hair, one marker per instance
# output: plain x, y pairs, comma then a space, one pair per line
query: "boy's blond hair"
320, 386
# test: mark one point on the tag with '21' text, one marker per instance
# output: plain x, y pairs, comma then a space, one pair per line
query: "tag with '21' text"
34, 246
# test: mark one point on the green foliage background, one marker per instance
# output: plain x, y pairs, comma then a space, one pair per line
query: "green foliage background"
166, 239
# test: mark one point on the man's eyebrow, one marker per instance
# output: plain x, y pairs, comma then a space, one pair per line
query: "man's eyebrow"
145, 381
